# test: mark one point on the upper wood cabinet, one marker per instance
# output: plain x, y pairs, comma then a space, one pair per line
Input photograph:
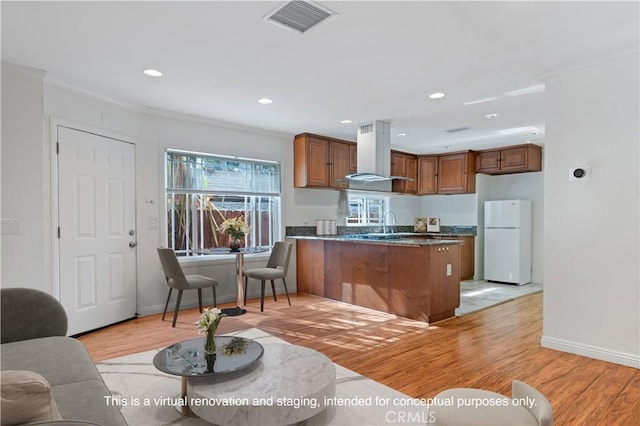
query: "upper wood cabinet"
404, 164
428, 174
320, 162
457, 173
513, 159
353, 158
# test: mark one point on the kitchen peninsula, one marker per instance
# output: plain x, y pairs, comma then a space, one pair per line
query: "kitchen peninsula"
407, 276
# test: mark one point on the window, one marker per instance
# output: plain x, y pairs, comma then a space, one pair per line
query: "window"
366, 209
203, 190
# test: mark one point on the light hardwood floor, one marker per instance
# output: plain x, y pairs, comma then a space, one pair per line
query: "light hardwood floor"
487, 350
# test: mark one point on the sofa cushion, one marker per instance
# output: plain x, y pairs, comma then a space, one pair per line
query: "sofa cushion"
87, 400
26, 397
60, 359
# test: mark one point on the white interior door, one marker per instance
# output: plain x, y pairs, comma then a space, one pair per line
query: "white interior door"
96, 214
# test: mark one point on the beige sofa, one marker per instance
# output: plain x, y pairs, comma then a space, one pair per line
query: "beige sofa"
47, 377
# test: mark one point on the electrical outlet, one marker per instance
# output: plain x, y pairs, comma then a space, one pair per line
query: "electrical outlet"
449, 270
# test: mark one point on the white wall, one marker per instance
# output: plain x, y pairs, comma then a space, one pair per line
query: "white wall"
591, 238
451, 209
29, 103
24, 165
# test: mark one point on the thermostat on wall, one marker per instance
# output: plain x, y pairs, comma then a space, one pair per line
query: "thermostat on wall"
580, 173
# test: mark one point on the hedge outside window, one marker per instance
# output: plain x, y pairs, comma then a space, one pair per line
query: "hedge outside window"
202, 190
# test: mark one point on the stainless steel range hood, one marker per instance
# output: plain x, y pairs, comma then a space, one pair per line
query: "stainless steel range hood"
374, 158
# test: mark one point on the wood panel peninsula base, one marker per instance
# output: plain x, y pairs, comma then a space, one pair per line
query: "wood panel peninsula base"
419, 280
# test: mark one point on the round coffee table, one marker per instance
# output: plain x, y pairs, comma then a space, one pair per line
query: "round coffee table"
290, 384
187, 359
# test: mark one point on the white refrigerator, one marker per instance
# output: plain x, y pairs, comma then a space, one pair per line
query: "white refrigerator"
507, 241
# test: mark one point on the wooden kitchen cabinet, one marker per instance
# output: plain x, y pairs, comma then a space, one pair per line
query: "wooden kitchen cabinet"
513, 159
339, 164
467, 256
444, 268
467, 253
321, 162
353, 158
457, 173
404, 164
417, 282
427, 175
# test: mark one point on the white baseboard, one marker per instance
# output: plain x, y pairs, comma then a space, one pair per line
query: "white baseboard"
629, 360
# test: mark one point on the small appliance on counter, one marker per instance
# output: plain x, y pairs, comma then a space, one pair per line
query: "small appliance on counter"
426, 224
326, 227
433, 224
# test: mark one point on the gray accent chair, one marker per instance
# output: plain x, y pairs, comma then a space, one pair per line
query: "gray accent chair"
177, 279
527, 406
33, 329
276, 268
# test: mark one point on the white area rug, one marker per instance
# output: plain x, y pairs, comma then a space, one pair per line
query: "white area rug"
133, 379
478, 295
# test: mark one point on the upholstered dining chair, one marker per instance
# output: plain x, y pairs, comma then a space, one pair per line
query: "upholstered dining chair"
177, 279
276, 268
527, 406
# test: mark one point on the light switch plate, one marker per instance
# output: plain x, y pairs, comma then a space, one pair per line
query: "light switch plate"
152, 222
10, 227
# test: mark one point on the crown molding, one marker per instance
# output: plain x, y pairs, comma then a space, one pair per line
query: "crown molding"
34, 72
589, 64
65, 83
160, 113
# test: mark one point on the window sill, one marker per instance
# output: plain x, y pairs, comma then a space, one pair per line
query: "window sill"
219, 259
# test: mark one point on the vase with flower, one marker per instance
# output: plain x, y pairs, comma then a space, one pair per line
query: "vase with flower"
208, 323
237, 228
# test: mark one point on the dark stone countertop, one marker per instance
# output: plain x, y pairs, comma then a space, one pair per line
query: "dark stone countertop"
401, 239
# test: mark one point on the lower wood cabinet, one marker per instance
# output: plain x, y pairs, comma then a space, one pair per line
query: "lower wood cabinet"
417, 282
467, 256
467, 252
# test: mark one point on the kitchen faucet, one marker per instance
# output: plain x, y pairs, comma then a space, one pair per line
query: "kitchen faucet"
384, 221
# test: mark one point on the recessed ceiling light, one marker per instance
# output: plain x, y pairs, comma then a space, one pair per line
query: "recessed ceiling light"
402, 135
346, 121
436, 95
493, 115
152, 73
265, 101
491, 98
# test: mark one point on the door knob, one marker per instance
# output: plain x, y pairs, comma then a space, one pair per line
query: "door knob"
132, 244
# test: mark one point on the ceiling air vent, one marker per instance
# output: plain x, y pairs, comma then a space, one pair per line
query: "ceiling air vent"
366, 128
298, 15
458, 129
